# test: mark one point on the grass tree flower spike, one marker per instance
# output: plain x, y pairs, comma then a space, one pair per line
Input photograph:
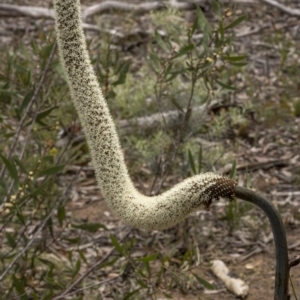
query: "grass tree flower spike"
132, 207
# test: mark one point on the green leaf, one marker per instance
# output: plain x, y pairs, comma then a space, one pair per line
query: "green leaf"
141, 283
91, 227
38, 190
175, 103
205, 283
200, 159
236, 22
195, 25
41, 115
81, 254
20, 164
155, 65
235, 58
221, 30
169, 296
50, 226
19, 285
26, 101
47, 158
225, 86
73, 240
297, 108
116, 244
61, 214
11, 168
217, 7
233, 170
76, 268
8, 135
51, 171
205, 27
108, 263
192, 162
21, 219
184, 50
201, 18
21, 69
148, 258
46, 262
10, 240
238, 64
122, 74
160, 41
169, 69
129, 295
46, 51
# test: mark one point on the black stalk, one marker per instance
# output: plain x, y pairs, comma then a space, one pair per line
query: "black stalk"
281, 250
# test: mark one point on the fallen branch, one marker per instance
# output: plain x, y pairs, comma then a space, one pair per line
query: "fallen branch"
169, 119
256, 165
291, 11
28, 11
107, 6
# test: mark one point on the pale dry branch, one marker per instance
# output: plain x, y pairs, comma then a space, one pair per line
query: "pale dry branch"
291, 11
28, 11
106, 6
169, 119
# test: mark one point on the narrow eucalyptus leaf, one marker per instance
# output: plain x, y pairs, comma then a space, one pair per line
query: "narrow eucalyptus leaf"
200, 159
169, 296
160, 41
129, 295
39, 190
235, 22
61, 214
238, 64
26, 101
76, 268
11, 168
41, 115
175, 103
148, 258
18, 285
50, 227
52, 170
91, 227
233, 170
195, 25
184, 50
221, 31
10, 240
82, 256
20, 164
116, 244
235, 58
205, 283
192, 162
45, 52
122, 74
226, 86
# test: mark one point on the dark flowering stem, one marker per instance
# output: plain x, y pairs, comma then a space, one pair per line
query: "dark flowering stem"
282, 263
